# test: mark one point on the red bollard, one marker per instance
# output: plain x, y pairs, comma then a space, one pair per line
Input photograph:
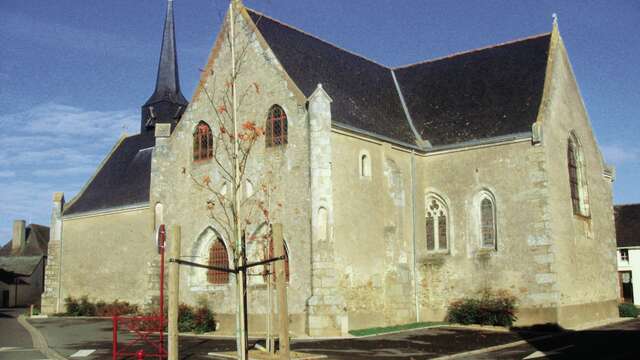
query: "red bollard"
140, 354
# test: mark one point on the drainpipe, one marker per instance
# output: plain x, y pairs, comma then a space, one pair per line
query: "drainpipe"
413, 222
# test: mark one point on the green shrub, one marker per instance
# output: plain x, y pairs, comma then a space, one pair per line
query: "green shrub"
203, 320
72, 305
84, 307
115, 308
628, 310
185, 318
198, 319
489, 308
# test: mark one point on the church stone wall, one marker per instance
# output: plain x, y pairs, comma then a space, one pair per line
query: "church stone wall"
285, 169
94, 247
522, 265
585, 269
373, 231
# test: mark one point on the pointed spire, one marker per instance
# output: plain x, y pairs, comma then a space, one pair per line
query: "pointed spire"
167, 103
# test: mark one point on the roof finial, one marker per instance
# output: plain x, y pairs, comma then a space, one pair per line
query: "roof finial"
554, 16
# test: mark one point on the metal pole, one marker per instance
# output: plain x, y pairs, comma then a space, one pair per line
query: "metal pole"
281, 288
174, 286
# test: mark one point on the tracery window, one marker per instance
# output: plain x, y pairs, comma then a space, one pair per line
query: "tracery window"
277, 128
202, 142
487, 222
437, 230
218, 257
577, 179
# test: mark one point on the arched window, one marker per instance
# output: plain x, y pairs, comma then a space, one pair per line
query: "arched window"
218, 257
276, 129
365, 164
577, 179
202, 142
436, 224
487, 222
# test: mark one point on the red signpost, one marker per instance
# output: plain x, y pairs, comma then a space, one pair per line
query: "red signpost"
144, 327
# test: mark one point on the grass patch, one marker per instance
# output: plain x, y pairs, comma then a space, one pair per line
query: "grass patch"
394, 328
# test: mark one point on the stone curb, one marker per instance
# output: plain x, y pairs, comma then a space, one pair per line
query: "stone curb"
39, 342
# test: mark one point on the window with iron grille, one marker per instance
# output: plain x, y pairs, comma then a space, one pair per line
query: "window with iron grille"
437, 231
577, 179
487, 223
276, 129
202, 142
218, 257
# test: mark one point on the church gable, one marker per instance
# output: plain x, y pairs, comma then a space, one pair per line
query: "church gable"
364, 94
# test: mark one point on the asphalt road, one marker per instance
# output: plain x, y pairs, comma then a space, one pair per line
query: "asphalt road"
92, 337
15, 341
617, 341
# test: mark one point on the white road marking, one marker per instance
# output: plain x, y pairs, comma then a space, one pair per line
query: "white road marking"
7, 348
83, 353
540, 354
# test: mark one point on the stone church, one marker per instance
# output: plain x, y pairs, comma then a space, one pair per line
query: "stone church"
400, 189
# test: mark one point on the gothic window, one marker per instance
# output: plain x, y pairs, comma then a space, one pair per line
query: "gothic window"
276, 129
577, 179
202, 142
487, 222
437, 230
218, 257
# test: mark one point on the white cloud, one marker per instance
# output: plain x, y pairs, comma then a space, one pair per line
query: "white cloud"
618, 154
52, 147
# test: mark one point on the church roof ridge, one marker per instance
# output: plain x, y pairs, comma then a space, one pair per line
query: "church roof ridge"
471, 51
317, 38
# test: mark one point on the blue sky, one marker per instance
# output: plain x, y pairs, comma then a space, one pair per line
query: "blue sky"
73, 74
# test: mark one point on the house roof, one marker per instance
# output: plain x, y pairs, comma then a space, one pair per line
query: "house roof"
122, 180
36, 242
475, 95
627, 225
19, 265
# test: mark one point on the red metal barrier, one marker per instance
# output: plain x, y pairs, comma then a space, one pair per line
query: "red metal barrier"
144, 328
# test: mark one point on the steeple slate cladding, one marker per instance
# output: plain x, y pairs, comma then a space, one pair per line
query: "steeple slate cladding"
167, 103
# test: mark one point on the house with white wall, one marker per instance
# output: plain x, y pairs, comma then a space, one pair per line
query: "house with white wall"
628, 241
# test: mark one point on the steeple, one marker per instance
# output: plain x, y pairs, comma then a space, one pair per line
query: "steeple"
167, 103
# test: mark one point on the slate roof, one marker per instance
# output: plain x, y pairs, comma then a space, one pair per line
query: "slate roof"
627, 225
123, 179
479, 94
36, 242
470, 96
19, 265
